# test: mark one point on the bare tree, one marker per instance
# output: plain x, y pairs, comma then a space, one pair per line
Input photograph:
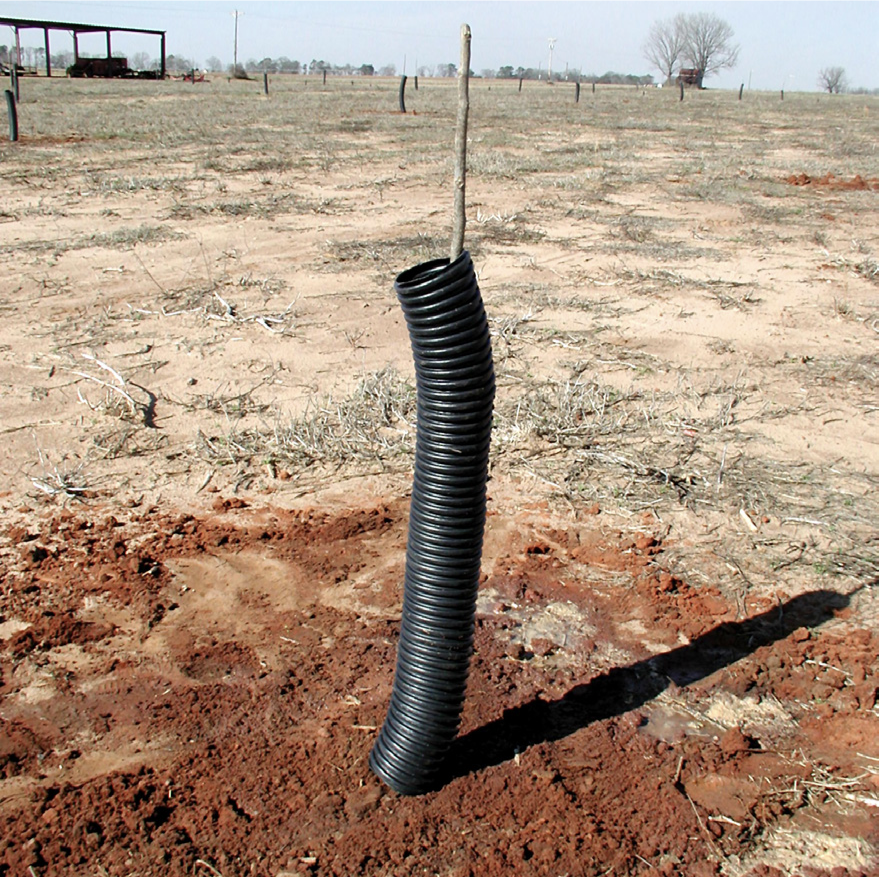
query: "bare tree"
832, 79
60, 60
665, 44
709, 46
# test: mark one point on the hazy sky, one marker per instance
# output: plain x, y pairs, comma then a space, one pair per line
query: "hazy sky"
783, 44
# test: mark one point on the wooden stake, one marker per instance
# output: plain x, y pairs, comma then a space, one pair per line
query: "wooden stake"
458, 215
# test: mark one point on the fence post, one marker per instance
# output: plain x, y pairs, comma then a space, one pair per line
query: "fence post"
13, 116
594, 86
681, 89
416, 82
400, 94
741, 87
577, 92
325, 78
265, 83
781, 94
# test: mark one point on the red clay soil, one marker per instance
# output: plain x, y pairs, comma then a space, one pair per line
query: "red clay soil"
198, 695
829, 181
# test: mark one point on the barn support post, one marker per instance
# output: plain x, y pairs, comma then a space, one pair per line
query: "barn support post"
75, 46
13, 81
46, 43
13, 116
109, 69
162, 48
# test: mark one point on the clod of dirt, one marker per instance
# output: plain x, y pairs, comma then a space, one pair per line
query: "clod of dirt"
829, 181
734, 741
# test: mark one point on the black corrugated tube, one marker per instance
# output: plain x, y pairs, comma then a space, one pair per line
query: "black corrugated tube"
455, 383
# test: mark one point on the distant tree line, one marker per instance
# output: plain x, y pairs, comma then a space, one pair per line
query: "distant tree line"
572, 74
696, 39
284, 64
287, 65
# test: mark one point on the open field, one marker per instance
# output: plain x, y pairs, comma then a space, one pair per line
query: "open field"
207, 410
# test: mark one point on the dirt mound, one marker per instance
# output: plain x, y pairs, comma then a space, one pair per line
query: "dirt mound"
829, 181
186, 695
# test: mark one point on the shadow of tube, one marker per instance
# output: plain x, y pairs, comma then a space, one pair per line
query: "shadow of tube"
625, 688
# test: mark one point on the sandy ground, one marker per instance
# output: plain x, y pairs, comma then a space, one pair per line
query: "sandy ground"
208, 422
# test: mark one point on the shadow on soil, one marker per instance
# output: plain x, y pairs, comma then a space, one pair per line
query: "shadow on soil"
626, 688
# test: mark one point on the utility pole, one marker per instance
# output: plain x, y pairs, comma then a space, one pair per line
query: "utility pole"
552, 42
235, 15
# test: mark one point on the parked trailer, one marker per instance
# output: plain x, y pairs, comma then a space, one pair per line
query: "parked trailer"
106, 67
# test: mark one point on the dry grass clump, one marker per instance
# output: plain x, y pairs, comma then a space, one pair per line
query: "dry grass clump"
640, 449
266, 205
121, 239
371, 425
206, 301
569, 414
392, 255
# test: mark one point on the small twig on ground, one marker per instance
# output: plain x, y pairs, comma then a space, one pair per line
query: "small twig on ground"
107, 386
206, 481
149, 274
677, 778
230, 310
106, 367
721, 466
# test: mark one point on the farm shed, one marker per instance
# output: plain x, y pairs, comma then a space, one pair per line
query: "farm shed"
19, 24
